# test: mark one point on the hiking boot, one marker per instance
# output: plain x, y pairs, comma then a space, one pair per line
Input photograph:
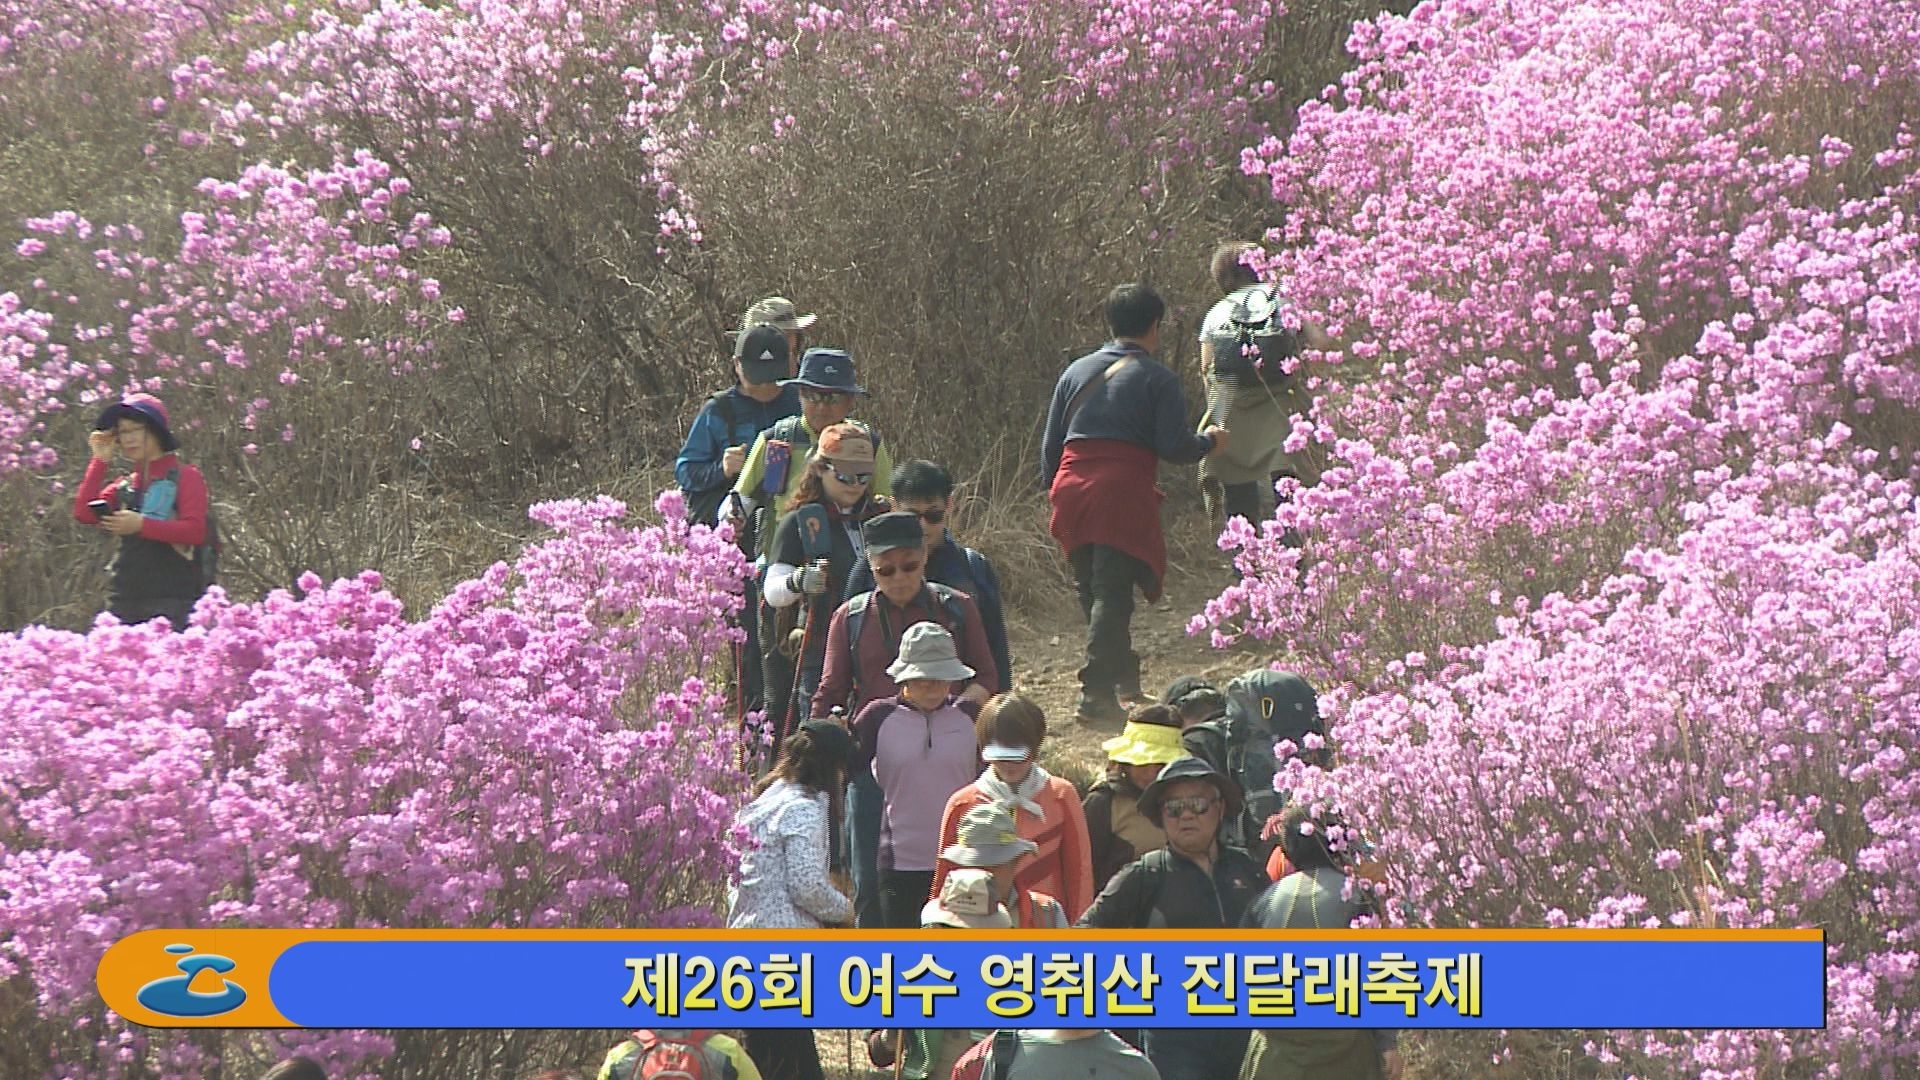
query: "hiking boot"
1099, 710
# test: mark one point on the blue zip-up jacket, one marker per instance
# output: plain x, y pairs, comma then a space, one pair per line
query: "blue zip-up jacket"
698, 467
967, 570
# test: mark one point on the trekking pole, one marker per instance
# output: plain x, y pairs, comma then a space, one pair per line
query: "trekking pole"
800, 663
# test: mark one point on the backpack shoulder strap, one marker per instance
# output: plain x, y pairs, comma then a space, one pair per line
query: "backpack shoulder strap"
1154, 868
1006, 1047
790, 428
950, 603
980, 568
1093, 384
723, 405
858, 606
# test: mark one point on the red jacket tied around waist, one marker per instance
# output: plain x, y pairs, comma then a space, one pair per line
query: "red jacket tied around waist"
1105, 493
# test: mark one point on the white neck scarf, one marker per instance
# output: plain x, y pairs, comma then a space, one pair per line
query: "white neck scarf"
1021, 797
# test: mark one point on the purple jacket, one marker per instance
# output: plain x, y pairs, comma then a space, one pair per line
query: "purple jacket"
919, 760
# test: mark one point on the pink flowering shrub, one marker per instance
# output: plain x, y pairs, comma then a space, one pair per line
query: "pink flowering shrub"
243, 196
1611, 573
276, 270
33, 371
1720, 736
279, 304
141, 34
546, 748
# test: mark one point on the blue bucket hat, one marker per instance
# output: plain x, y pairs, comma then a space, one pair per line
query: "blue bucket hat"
827, 369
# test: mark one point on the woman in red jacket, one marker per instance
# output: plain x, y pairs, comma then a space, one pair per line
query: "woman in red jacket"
158, 510
1046, 808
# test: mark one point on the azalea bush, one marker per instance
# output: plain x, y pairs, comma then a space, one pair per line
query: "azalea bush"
957, 187
546, 747
395, 264
1612, 572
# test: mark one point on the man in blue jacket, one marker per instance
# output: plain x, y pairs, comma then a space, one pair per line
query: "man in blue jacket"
716, 449
716, 446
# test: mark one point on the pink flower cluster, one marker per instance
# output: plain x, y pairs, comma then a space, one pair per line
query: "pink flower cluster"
279, 265
1613, 570
275, 268
143, 34
34, 369
423, 78
543, 749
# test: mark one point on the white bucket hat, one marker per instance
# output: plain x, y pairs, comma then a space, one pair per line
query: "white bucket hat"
777, 310
927, 652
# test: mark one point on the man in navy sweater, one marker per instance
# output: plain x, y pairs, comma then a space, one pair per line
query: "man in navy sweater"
716, 449
1116, 413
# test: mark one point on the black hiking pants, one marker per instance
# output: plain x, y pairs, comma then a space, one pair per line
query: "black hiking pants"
1106, 578
133, 612
785, 1053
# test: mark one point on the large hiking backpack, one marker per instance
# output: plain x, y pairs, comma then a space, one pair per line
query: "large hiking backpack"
673, 1054
1264, 707
1257, 334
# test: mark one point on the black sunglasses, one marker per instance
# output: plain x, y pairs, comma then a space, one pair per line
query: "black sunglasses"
1195, 806
933, 515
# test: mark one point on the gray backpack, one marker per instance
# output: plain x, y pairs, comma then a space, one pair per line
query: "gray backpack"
1264, 707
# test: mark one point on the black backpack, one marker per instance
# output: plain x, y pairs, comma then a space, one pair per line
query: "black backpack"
1257, 333
206, 554
1264, 707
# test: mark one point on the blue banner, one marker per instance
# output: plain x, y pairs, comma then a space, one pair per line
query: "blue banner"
1625, 979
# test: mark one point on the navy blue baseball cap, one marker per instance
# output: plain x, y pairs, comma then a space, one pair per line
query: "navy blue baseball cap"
827, 369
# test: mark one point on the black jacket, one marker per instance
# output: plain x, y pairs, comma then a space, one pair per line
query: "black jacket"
1166, 890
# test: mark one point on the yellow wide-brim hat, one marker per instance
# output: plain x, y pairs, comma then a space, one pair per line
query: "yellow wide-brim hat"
1144, 744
